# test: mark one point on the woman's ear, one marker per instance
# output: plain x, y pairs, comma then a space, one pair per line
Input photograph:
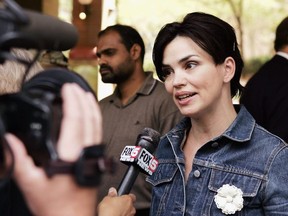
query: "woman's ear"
229, 67
135, 51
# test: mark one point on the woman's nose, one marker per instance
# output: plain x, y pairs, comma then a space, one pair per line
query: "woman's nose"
179, 79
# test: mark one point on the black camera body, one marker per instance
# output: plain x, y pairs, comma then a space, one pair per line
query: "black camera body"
34, 116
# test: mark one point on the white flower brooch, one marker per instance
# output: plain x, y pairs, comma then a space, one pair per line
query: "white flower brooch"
229, 199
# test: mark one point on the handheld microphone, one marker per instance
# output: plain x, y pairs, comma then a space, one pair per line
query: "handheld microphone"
31, 30
139, 158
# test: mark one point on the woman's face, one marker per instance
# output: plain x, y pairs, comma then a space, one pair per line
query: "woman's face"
192, 77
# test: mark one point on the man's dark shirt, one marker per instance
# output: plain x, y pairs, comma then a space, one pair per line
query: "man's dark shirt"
266, 96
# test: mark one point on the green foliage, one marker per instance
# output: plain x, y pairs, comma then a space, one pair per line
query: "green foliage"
259, 19
149, 66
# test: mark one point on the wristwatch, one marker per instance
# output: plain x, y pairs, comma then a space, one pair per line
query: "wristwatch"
88, 169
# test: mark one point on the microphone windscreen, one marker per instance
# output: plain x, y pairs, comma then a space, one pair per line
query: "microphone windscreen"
53, 33
33, 30
149, 139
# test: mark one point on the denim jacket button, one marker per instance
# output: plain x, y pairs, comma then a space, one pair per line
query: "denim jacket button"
197, 173
214, 145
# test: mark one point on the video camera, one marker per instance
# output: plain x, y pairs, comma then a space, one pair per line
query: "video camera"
34, 114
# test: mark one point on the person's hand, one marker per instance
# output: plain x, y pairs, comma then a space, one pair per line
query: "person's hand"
60, 195
117, 205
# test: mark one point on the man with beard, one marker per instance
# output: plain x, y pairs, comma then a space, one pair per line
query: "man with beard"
138, 101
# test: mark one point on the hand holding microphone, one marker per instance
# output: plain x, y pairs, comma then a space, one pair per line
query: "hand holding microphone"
113, 204
139, 158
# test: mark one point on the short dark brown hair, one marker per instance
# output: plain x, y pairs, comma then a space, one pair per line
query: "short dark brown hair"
281, 38
212, 34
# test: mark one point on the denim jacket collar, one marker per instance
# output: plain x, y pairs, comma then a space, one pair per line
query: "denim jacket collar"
240, 130
246, 156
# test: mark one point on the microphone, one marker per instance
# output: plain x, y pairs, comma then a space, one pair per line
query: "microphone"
139, 158
31, 30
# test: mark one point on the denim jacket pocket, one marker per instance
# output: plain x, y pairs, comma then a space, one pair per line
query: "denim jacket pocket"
165, 183
163, 174
249, 184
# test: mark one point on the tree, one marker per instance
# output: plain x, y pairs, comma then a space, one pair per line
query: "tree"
237, 9
252, 20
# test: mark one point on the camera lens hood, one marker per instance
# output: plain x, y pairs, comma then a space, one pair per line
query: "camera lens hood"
53, 79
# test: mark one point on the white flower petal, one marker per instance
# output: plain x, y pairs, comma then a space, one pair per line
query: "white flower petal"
229, 209
229, 199
220, 201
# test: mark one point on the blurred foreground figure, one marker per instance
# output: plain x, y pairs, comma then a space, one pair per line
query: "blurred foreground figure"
13, 72
60, 195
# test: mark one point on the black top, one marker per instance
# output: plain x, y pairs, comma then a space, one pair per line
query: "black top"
266, 96
11, 201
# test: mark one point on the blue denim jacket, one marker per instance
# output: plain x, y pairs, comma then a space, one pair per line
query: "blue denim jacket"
245, 155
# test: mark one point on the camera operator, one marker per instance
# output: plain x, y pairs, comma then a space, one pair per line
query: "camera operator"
60, 195
56, 188
13, 72
81, 127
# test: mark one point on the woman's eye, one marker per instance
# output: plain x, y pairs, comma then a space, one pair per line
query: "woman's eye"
190, 65
166, 72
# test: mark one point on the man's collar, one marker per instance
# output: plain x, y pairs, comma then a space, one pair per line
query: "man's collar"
283, 54
148, 84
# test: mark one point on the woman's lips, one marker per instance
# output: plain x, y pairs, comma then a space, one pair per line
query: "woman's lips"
184, 98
